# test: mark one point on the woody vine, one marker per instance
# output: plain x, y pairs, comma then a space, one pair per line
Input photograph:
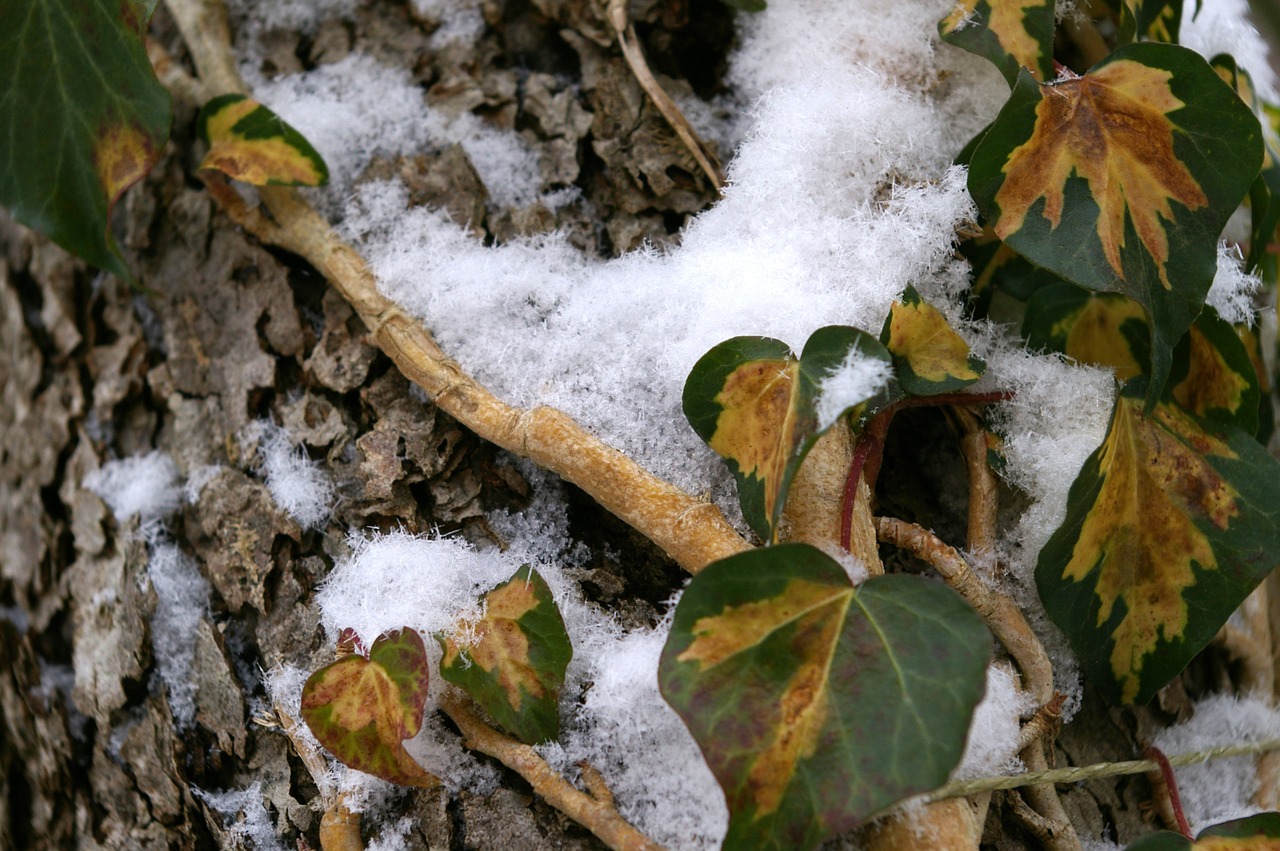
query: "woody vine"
821, 689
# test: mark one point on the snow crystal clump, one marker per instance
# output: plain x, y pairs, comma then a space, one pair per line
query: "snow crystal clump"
298, 485
145, 486
1233, 288
301, 15
247, 822
993, 735
1222, 26
1220, 789
854, 380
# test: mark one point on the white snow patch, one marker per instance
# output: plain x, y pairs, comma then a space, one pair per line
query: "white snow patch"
245, 817
1223, 26
853, 381
993, 735
1233, 288
1219, 790
145, 486
298, 485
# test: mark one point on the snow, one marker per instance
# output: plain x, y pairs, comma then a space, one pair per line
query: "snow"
854, 380
245, 818
993, 735
145, 486
1220, 790
299, 485
1233, 289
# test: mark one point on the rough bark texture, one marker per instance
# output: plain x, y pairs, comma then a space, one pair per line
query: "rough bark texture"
226, 332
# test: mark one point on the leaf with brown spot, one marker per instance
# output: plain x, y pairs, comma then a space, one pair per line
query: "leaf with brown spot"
1171, 523
1259, 832
1121, 180
250, 143
1013, 34
757, 406
814, 703
513, 659
929, 357
1212, 374
82, 117
363, 710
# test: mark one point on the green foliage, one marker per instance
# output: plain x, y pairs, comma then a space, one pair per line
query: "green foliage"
817, 704
82, 115
250, 143
363, 709
1121, 181
1013, 34
929, 357
1254, 833
513, 665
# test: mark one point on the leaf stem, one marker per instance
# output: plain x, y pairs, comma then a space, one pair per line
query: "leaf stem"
1167, 787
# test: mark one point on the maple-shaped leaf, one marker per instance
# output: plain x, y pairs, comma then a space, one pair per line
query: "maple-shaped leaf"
1121, 180
1103, 329
363, 709
816, 703
762, 409
252, 144
1171, 523
929, 357
514, 659
1012, 34
1264, 194
1149, 20
1254, 833
82, 117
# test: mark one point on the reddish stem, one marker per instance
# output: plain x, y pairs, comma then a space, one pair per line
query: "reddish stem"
1171, 787
851, 491
1060, 69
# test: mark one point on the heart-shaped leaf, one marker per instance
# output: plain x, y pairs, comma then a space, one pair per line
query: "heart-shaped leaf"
1149, 20
250, 143
1013, 34
1253, 833
762, 409
82, 117
929, 357
814, 703
514, 661
362, 709
1121, 180
1171, 523
1105, 329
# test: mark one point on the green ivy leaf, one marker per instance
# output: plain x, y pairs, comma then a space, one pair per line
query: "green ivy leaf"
362, 709
1121, 180
250, 143
929, 357
1264, 194
1171, 523
1254, 833
1149, 20
814, 703
1012, 34
514, 665
1252, 342
1105, 329
997, 268
82, 115
757, 406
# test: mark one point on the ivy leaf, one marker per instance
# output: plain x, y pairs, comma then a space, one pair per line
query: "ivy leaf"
814, 703
1248, 335
82, 115
1171, 523
250, 143
1105, 329
929, 357
1121, 180
1012, 34
362, 709
1264, 194
761, 409
1149, 20
1213, 376
998, 268
514, 666
1254, 833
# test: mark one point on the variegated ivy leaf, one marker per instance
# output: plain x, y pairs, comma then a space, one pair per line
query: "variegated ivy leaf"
1254, 833
929, 357
1121, 180
997, 268
1248, 335
762, 409
250, 143
1104, 329
1149, 20
816, 703
514, 661
82, 117
1264, 194
1171, 523
1012, 34
1213, 376
362, 710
